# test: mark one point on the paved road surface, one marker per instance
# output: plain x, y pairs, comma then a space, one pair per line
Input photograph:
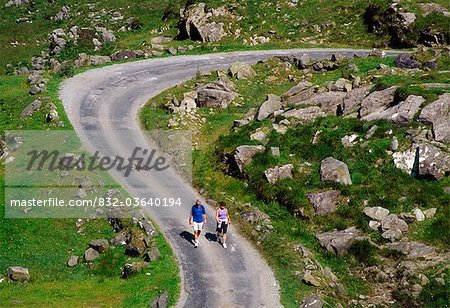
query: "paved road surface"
103, 104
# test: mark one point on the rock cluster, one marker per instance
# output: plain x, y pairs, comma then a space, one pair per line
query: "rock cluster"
195, 23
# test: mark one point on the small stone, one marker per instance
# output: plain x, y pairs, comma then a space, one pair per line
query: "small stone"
73, 260
419, 214
275, 151
374, 225
90, 255
429, 213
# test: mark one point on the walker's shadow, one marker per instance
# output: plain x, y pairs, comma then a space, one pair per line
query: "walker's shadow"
211, 237
188, 236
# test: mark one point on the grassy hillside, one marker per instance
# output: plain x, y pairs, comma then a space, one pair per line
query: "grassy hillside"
286, 23
45, 245
376, 181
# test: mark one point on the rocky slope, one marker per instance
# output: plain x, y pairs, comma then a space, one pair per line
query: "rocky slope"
353, 152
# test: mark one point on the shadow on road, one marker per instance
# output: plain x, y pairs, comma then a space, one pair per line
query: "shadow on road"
211, 237
188, 236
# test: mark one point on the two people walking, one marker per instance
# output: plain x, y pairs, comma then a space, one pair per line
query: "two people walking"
197, 219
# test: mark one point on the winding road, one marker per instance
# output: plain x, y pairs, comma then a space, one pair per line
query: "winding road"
102, 105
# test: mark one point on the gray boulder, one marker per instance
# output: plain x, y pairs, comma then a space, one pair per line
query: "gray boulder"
312, 301
308, 114
298, 93
303, 61
218, 94
90, 255
412, 250
160, 301
279, 173
31, 108
106, 35
338, 242
136, 247
423, 160
63, 14
377, 101
101, 245
342, 85
324, 202
353, 100
377, 212
407, 60
401, 113
17, 273
272, 104
438, 115
392, 235
240, 70
392, 222
335, 170
327, 101
152, 255
195, 24
99, 60
244, 154
73, 261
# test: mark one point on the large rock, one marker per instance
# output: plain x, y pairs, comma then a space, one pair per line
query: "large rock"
423, 160
240, 70
272, 104
106, 35
31, 108
377, 101
327, 101
324, 202
312, 301
278, 173
17, 273
438, 115
101, 245
401, 113
307, 114
353, 100
335, 170
338, 242
244, 155
136, 247
392, 222
377, 212
218, 94
298, 93
90, 255
58, 41
152, 255
407, 60
195, 24
160, 301
412, 250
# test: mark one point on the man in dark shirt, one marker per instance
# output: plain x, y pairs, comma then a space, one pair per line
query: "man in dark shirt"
197, 219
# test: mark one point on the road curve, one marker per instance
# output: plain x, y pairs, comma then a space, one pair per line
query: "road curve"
102, 105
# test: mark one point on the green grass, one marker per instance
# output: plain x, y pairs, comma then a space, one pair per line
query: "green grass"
44, 245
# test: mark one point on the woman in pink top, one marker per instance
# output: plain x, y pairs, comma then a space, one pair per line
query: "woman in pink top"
223, 219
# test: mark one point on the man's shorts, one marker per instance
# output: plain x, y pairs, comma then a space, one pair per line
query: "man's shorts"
197, 226
222, 227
